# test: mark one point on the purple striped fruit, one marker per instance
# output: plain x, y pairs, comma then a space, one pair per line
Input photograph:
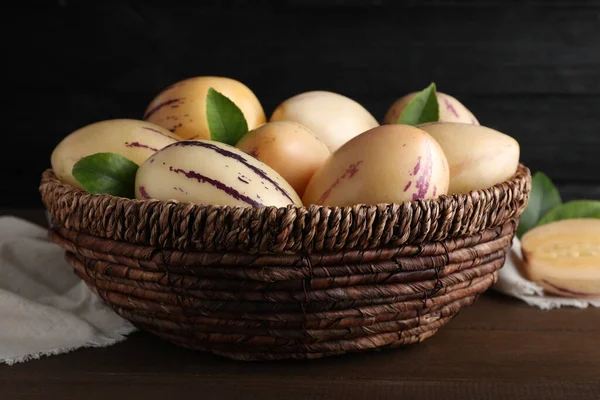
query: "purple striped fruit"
206, 172
181, 108
451, 110
479, 157
388, 164
289, 148
136, 140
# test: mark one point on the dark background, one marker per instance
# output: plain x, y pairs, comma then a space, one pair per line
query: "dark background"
529, 69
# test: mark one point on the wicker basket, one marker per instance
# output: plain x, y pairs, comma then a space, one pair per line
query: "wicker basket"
296, 282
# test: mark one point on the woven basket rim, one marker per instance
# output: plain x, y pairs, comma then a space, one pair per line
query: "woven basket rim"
49, 176
186, 226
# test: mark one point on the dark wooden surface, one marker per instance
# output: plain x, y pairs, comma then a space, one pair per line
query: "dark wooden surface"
497, 349
528, 68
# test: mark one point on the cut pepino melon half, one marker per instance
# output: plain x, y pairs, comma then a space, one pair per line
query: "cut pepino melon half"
564, 257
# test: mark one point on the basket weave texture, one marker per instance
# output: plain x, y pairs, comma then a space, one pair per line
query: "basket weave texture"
295, 282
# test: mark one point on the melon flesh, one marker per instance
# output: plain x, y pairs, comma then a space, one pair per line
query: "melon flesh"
564, 257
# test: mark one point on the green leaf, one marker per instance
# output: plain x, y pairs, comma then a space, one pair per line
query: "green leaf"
108, 173
543, 197
422, 109
226, 122
572, 209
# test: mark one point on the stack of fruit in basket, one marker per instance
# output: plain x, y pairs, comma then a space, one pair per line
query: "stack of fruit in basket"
206, 140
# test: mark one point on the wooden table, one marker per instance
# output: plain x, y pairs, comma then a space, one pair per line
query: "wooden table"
497, 349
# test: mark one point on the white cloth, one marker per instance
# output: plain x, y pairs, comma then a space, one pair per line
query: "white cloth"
44, 307
512, 283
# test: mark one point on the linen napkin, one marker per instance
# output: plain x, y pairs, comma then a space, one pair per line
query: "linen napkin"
44, 307
512, 283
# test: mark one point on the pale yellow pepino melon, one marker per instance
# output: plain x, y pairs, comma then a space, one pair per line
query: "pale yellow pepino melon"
289, 148
564, 257
133, 139
387, 164
211, 173
450, 109
479, 157
181, 108
334, 118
